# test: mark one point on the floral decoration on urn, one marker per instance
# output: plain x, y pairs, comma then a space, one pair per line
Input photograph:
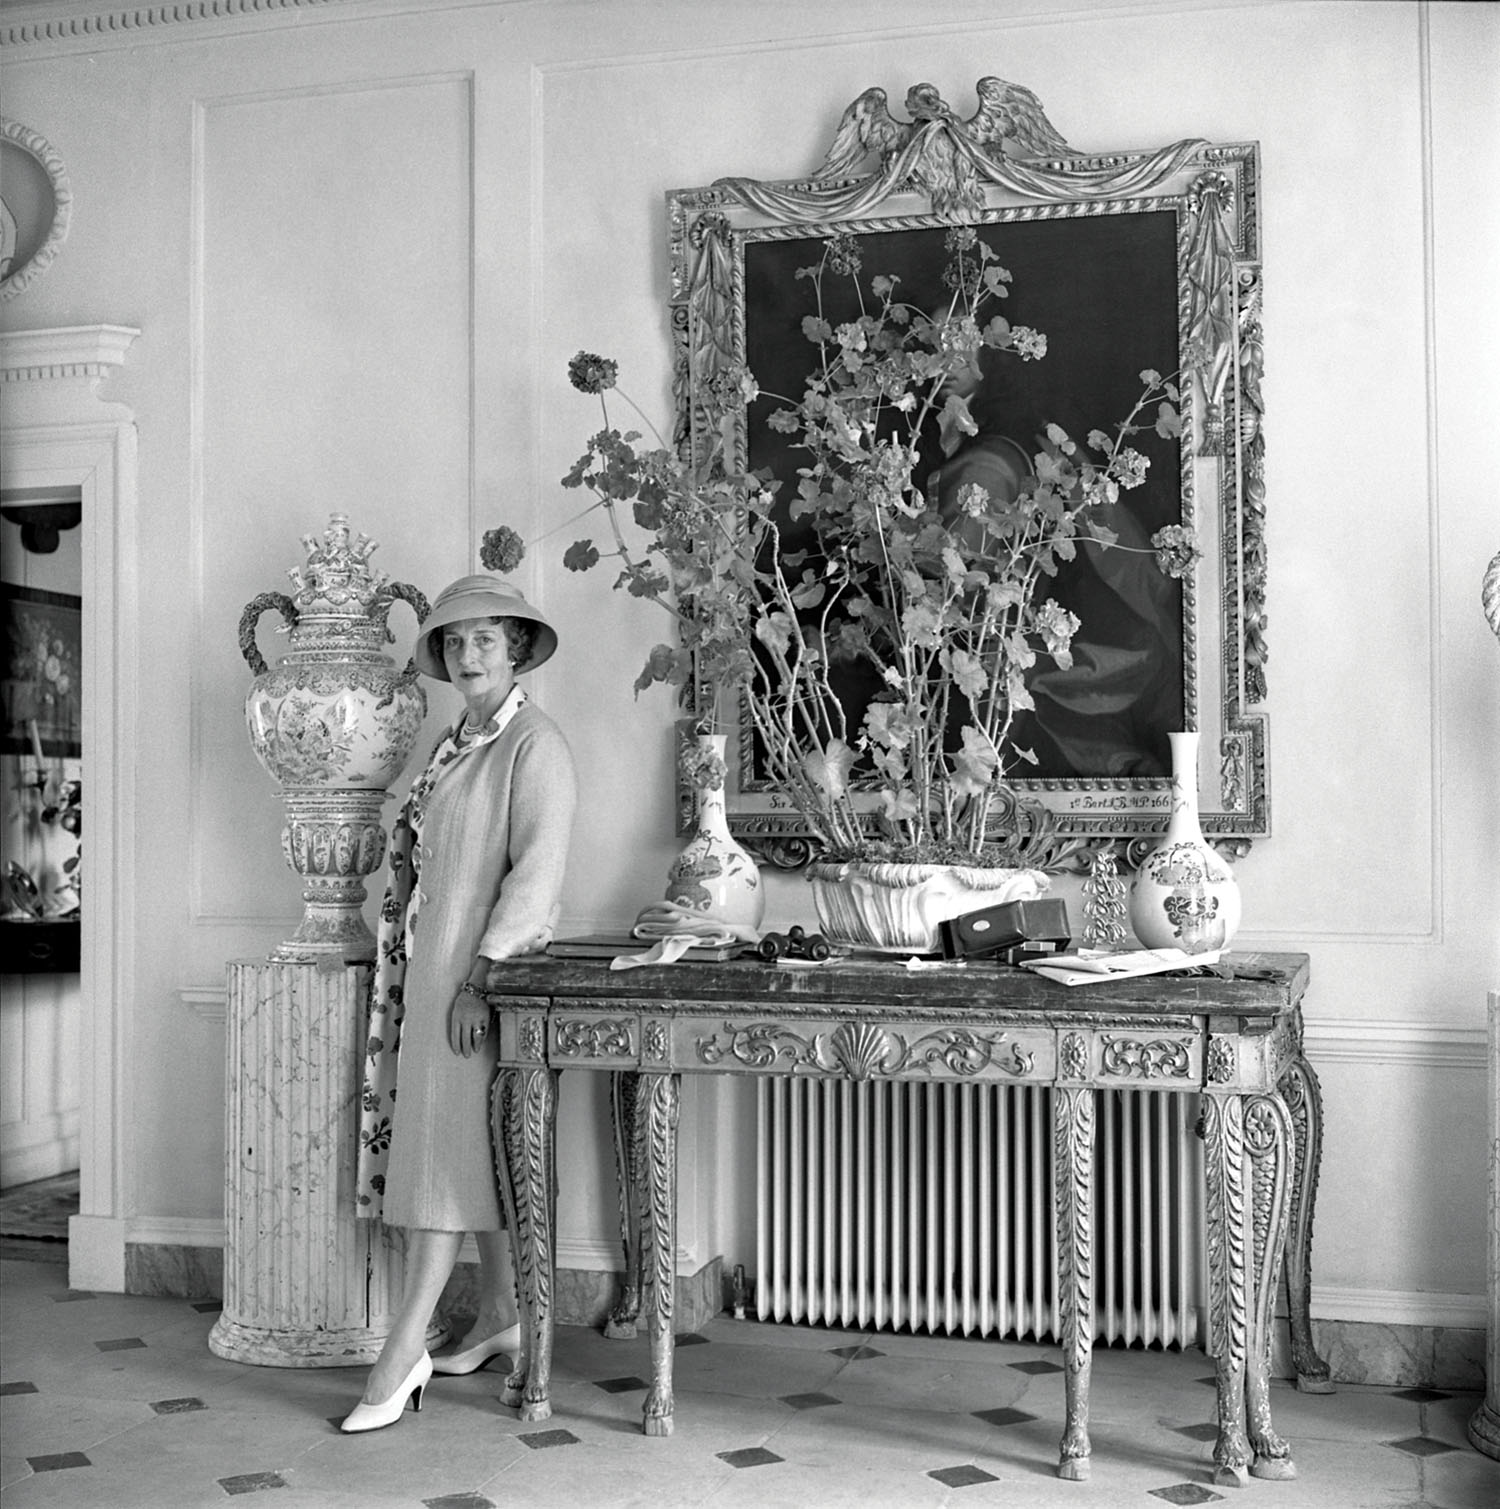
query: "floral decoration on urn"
1184, 894
335, 723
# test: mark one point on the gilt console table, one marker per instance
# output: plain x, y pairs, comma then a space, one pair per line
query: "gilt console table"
1233, 1037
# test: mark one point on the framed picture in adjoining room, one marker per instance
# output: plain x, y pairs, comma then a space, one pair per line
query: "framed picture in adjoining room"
42, 688
1129, 263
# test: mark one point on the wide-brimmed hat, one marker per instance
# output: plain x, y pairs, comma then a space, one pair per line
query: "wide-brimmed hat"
479, 596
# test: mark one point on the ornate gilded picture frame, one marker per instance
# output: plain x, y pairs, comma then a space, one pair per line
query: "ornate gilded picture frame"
1126, 261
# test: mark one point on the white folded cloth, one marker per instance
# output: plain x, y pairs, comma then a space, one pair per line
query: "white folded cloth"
672, 929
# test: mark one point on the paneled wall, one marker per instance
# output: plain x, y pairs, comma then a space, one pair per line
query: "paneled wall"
361, 241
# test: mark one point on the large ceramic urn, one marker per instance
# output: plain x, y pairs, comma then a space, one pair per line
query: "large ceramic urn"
335, 723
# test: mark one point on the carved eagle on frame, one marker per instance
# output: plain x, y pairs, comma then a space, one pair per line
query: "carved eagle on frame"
936, 152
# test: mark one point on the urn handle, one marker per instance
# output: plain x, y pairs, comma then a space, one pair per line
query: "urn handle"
404, 592
251, 616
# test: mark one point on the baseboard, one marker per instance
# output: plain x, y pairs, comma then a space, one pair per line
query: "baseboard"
586, 1296
593, 1256
39, 1149
169, 1257
175, 1231
1386, 1307
1390, 1355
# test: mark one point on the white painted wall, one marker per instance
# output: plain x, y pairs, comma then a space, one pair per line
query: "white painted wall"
361, 241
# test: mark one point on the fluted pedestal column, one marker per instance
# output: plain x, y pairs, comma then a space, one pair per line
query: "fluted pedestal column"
1484, 1428
306, 1283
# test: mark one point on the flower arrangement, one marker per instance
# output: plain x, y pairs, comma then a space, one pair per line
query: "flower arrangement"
941, 598
66, 811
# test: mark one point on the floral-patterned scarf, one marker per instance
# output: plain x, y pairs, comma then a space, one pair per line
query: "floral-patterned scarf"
398, 917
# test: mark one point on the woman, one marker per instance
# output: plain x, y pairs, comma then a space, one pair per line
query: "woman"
476, 869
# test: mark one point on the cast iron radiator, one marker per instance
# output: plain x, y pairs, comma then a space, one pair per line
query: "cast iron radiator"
928, 1207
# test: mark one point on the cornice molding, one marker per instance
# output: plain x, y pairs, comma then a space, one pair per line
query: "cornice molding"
70, 351
93, 23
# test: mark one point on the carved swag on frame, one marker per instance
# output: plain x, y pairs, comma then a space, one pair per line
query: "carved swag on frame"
1126, 260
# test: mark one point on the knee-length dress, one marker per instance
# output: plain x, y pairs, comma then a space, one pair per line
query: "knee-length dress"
476, 867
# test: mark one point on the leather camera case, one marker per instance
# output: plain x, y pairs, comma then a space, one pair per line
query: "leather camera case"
1025, 927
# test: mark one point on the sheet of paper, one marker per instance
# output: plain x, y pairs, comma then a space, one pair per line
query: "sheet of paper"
1088, 966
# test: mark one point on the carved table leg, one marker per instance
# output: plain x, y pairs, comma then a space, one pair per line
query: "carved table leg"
1268, 1140
656, 1150
1299, 1088
1073, 1146
524, 1126
624, 1092
1224, 1175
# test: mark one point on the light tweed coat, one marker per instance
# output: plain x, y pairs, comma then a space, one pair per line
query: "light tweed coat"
494, 833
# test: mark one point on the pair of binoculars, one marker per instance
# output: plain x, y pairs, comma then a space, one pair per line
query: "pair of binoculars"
793, 944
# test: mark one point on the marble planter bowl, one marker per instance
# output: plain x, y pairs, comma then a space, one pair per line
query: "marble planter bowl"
898, 908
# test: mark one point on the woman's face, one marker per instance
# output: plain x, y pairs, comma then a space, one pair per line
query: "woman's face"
476, 655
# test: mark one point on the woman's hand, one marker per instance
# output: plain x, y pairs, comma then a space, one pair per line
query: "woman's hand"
468, 1021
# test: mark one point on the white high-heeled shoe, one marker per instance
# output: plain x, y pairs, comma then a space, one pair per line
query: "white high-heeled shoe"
376, 1416
481, 1354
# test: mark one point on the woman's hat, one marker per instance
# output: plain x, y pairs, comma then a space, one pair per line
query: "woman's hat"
479, 596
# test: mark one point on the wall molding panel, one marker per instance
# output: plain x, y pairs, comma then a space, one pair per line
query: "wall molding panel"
419, 127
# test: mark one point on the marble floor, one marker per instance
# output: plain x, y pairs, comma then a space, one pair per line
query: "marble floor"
115, 1401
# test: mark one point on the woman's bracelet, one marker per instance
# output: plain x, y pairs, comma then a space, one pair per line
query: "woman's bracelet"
469, 988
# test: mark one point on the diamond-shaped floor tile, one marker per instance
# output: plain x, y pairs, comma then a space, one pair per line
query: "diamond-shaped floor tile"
459, 1501
177, 1406
72, 1296
1185, 1493
1208, 1432
1420, 1395
1003, 1416
690, 1339
537, 1439
252, 1482
749, 1456
123, 1344
855, 1354
18, 1388
1035, 1369
57, 1460
1421, 1446
809, 1401
620, 1385
963, 1476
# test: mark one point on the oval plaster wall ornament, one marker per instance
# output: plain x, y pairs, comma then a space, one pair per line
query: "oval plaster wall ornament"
37, 205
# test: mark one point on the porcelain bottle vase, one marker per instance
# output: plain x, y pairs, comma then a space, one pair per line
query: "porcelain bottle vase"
714, 875
335, 723
1184, 894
